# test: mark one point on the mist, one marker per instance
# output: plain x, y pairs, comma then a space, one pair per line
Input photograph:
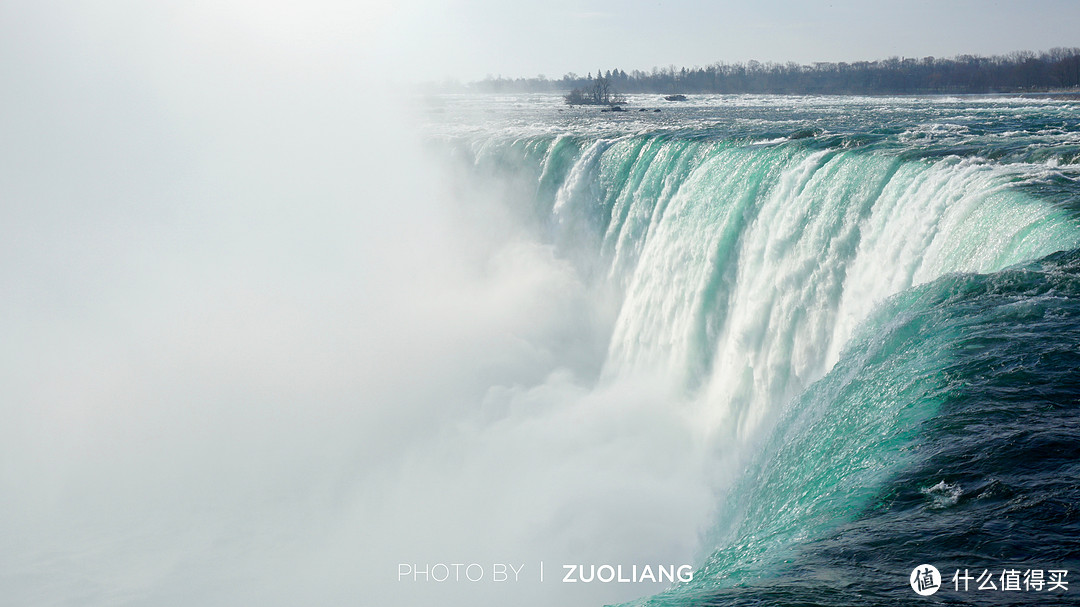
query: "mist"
261, 348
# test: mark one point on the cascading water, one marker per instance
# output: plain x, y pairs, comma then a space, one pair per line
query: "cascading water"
806, 296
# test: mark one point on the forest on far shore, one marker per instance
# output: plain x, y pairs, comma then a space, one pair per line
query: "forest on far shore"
1020, 71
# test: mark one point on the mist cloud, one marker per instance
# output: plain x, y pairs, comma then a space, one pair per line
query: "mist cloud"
256, 353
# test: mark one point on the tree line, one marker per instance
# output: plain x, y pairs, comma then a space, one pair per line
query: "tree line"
1021, 71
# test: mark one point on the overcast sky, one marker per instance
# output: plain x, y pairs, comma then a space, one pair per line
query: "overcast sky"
469, 39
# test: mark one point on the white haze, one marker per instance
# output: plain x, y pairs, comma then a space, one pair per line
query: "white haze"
256, 354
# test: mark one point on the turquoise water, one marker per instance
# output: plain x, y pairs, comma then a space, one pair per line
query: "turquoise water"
869, 307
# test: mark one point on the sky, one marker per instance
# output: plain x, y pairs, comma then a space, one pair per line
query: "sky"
470, 39
434, 40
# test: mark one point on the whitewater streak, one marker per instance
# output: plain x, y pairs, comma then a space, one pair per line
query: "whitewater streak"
745, 268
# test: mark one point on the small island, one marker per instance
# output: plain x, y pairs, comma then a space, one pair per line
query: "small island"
599, 92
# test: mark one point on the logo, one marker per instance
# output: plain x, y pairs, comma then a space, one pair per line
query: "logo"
925, 580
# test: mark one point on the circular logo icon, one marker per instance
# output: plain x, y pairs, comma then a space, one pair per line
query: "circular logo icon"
925, 580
